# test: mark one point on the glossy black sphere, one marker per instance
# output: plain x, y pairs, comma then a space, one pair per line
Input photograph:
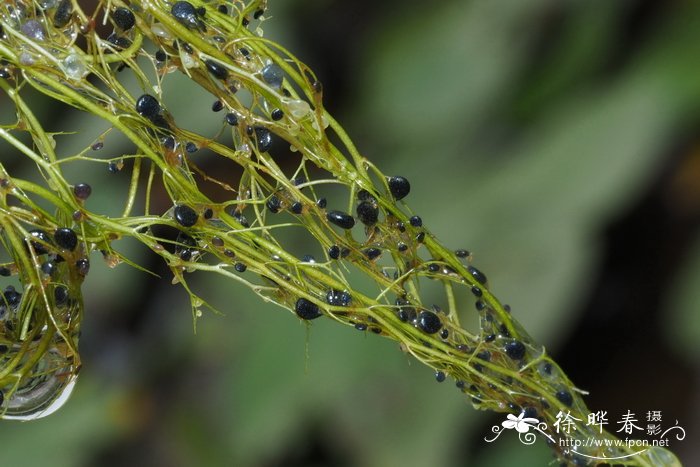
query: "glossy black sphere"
341, 219
217, 70
515, 350
147, 106
334, 252
478, 275
186, 14
306, 309
185, 215
82, 191
83, 266
399, 187
123, 18
429, 322
565, 398
416, 221
66, 238
372, 253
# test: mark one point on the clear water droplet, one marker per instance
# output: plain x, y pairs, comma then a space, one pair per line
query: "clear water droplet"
188, 61
298, 108
33, 29
74, 67
47, 390
273, 75
160, 31
25, 58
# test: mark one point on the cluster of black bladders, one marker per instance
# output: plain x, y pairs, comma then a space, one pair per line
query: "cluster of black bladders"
124, 20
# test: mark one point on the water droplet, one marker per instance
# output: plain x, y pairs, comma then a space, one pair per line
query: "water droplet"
44, 393
33, 29
298, 108
159, 30
273, 75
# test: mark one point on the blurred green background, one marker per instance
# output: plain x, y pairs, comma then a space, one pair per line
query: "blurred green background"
556, 140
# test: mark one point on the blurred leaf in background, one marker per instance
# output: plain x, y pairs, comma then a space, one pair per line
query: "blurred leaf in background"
555, 140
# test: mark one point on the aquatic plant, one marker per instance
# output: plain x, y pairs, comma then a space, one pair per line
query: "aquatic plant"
355, 216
